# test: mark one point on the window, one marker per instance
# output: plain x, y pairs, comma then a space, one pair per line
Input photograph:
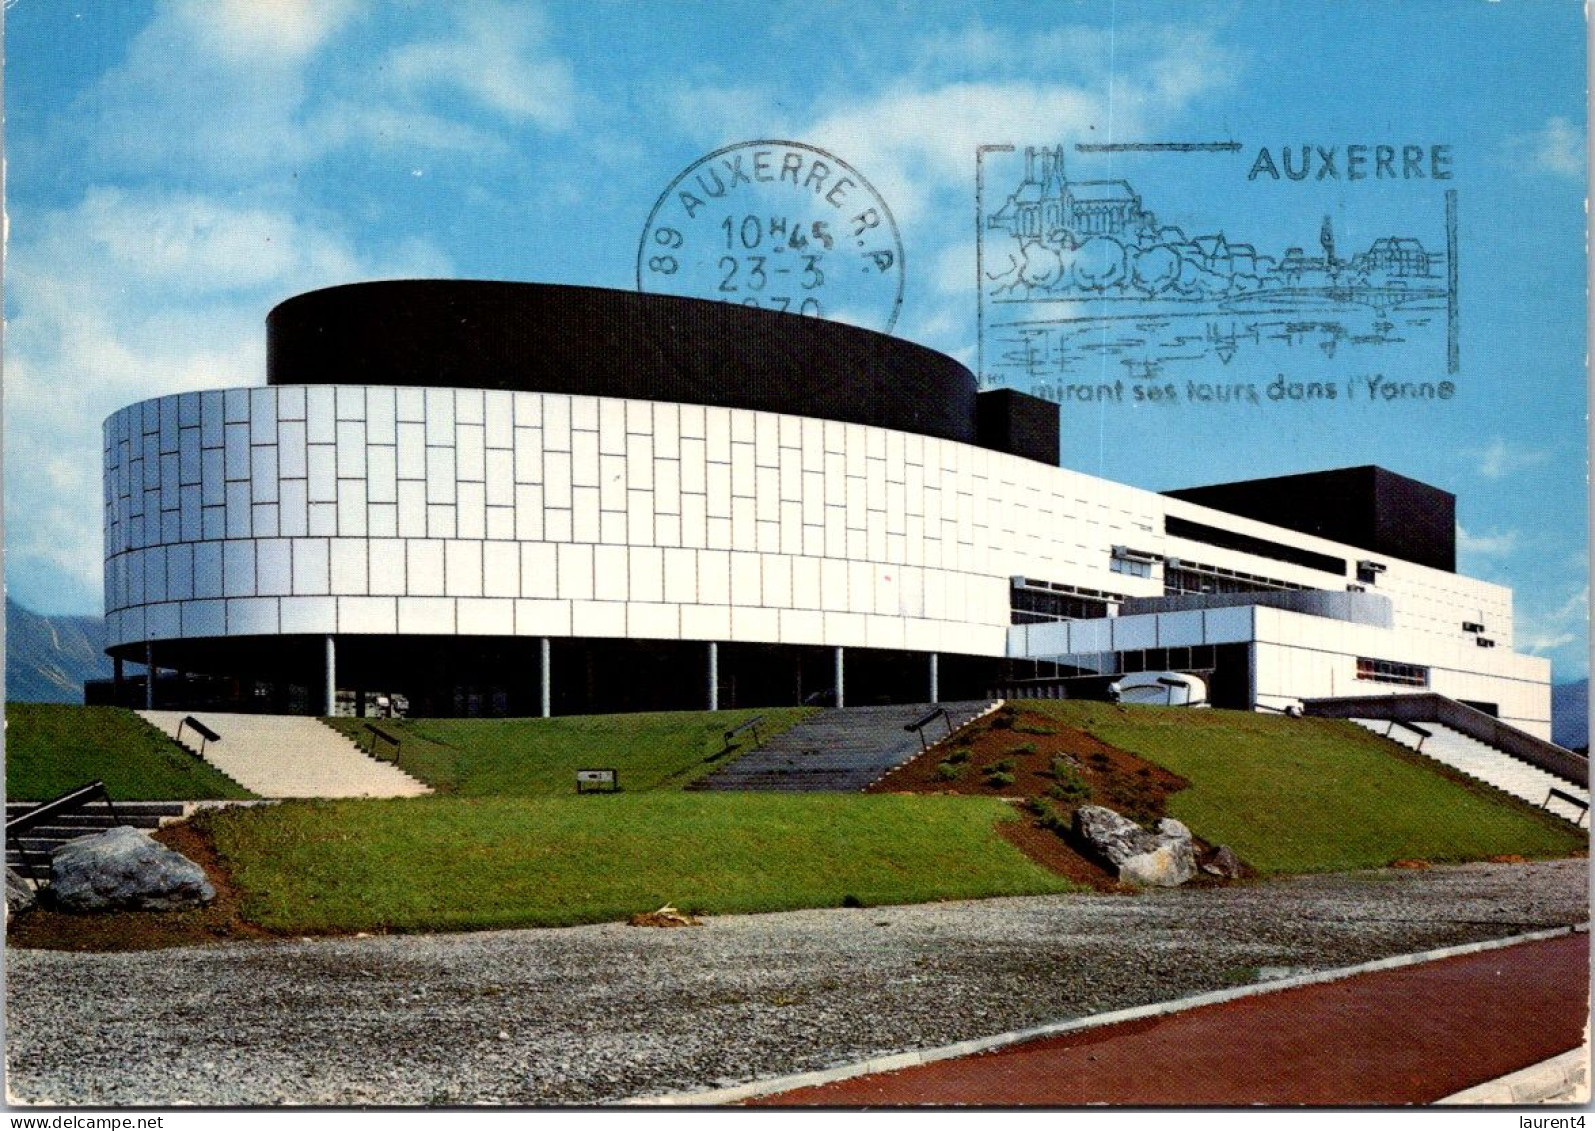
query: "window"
1041, 602
1262, 547
1181, 577
1388, 671
1131, 568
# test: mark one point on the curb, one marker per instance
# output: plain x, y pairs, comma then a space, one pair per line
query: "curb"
897, 1061
1562, 1079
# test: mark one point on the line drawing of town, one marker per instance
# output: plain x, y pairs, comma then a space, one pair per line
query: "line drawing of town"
1080, 282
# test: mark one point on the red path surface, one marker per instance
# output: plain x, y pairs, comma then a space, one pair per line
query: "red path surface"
1411, 1035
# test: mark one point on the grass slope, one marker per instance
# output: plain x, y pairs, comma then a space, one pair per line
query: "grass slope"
450, 863
51, 748
540, 757
1316, 795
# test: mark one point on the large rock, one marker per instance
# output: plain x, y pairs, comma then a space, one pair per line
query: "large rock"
1109, 836
1165, 858
19, 896
125, 869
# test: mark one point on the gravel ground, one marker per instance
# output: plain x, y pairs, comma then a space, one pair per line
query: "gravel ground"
587, 1015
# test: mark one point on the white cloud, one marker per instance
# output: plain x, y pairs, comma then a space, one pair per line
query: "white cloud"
1557, 148
1544, 631
495, 58
131, 294
918, 136
1498, 459
225, 91
246, 31
1485, 545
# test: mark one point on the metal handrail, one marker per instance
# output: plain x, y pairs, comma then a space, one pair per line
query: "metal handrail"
70, 801
206, 735
919, 726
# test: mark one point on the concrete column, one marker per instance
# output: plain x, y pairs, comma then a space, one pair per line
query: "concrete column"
714, 676
330, 691
116, 680
546, 677
935, 678
840, 700
149, 676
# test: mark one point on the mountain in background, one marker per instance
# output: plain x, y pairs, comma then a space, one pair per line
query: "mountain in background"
48, 658
1570, 714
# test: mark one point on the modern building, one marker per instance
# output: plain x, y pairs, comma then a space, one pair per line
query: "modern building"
497, 498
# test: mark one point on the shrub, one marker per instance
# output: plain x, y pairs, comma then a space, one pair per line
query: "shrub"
1034, 728
1023, 748
1068, 784
1001, 767
958, 755
1048, 817
949, 770
999, 779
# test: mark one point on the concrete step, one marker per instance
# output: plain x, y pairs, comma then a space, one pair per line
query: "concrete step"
281, 756
840, 751
1484, 763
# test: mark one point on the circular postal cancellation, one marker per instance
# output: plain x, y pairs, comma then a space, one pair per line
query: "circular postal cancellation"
778, 225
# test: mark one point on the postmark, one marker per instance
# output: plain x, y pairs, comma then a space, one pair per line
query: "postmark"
1215, 273
778, 225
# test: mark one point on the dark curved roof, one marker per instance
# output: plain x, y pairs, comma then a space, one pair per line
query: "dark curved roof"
584, 340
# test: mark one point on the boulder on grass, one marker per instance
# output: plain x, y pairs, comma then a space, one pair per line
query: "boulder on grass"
1165, 858
1109, 836
19, 896
125, 869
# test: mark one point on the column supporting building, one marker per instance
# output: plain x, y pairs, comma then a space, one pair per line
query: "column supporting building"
149, 676
330, 698
714, 676
545, 677
840, 699
935, 678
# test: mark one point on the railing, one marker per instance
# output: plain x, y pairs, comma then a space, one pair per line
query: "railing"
731, 735
1421, 732
69, 802
206, 735
379, 735
1563, 795
1435, 708
918, 727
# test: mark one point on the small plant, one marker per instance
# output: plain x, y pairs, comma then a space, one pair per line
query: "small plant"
1097, 758
1024, 748
1048, 817
949, 770
1068, 784
998, 780
1003, 721
958, 755
1001, 767
1034, 728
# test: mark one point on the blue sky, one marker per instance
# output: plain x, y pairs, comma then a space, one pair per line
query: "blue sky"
175, 169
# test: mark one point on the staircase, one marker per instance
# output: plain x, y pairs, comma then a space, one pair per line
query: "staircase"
91, 818
283, 756
1484, 763
840, 750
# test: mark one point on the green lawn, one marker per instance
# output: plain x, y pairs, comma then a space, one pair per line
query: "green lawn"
540, 757
51, 748
1316, 795
453, 863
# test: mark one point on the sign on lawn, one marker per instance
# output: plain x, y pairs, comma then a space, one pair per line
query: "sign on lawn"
599, 780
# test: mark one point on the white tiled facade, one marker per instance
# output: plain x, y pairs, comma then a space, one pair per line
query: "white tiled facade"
380, 510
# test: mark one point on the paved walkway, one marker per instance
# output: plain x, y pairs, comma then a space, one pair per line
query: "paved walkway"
289, 756
1411, 1035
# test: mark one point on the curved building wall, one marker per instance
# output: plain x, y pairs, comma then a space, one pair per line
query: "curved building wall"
345, 509
379, 511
